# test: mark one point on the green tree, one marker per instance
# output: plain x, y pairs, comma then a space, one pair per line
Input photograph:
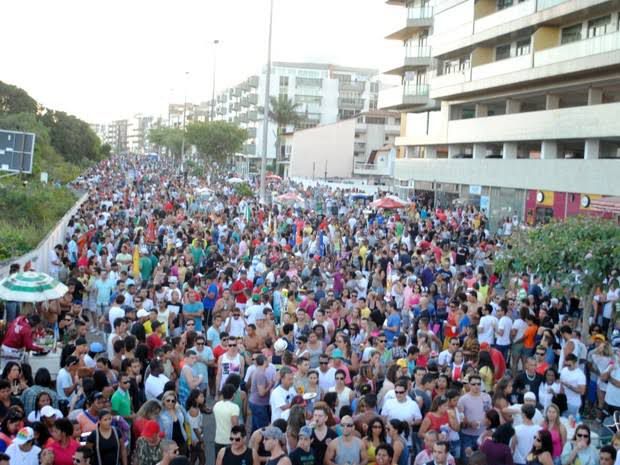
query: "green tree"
169, 138
216, 141
72, 137
16, 100
576, 254
283, 112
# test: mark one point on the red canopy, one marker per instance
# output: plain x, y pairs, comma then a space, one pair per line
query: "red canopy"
273, 177
388, 203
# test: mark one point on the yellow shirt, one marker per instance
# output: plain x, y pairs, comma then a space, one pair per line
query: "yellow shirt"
365, 312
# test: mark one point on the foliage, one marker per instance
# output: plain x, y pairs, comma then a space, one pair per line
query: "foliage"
243, 189
169, 138
195, 168
216, 141
578, 253
283, 111
72, 137
27, 213
16, 100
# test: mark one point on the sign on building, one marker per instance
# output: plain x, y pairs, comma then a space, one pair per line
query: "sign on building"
16, 151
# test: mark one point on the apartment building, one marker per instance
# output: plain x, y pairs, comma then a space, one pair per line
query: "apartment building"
529, 95
325, 94
357, 147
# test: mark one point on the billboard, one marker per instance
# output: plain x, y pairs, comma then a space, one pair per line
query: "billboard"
16, 151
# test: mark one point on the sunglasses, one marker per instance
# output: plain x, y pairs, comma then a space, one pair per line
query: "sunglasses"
474, 384
347, 425
200, 343
339, 378
172, 401
399, 392
323, 363
232, 345
377, 426
382, 340
585, 436
540, 353
237, 439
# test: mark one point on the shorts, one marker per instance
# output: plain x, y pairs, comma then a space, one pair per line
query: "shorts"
517, 350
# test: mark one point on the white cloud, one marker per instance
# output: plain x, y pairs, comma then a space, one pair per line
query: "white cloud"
108, 59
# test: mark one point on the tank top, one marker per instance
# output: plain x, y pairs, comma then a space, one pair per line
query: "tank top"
272, 461
438, 421
556, 440
232, 459
229, 366
371, 453
348, 454
313, 356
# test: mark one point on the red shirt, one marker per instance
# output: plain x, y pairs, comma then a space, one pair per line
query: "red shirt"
19, 335
499, 363
63, 455
240, 285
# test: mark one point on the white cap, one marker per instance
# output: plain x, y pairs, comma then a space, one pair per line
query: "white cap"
48, 411
280, 345
142, 313
529, 396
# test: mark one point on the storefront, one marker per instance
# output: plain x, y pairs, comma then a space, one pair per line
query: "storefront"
543, 206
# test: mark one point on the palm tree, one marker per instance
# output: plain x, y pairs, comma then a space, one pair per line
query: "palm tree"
283, 113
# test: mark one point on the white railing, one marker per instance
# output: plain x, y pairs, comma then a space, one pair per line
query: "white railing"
506, 15
40, 256
419, 12
581, 48
415, 51
500, 67
370, 168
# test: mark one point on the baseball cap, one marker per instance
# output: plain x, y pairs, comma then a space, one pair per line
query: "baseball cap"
280, 345
272, 432
529, 396
485, 346
598, 337
402, 362
305, 431
96, 347
48, 411
23, 436
151, 430
337, 353
142, 313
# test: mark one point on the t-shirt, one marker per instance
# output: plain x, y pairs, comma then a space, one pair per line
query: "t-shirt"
223, 411
19, 457
115, 313
279, 397
408, 411
574, 378
474, 409
301, 457
121, 403
486, 329
519, 326
327, 379
504, 323
529, 336
154, 386
392, 320
63, 380
524, 435
63, 455
612, 395
190, 311
320, 446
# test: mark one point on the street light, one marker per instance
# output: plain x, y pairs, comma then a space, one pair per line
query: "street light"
184, 115
263, 163
212, 116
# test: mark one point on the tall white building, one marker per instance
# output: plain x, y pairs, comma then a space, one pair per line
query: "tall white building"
529, 95
325, 93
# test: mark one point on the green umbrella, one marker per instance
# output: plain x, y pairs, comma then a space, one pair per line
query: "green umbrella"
31, 286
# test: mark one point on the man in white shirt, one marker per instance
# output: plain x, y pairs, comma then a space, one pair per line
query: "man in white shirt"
523, 440
402, 408
502, 332
116, 310
22, 450
445, 357
573, 382
281, 397
253, 310
155, 381
487, 326
327, 374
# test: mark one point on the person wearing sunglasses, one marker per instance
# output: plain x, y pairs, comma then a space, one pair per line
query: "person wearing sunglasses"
83, 456
580, 449
346, 449
237, 452
473, 406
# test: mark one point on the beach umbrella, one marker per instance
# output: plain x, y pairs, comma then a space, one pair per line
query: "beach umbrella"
235, 180
290, 197
273, 177
31, 286
388, 203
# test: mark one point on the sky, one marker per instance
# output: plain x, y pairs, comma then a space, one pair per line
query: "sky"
108, 59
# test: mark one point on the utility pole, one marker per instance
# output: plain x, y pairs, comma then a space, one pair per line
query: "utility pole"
212, 116
184, 116
263, 164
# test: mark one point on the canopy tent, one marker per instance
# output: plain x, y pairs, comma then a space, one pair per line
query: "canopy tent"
389, 203
31, 286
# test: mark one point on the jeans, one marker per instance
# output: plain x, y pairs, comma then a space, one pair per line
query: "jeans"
260, 416
571, 410
468, 441
504, 350
11, 310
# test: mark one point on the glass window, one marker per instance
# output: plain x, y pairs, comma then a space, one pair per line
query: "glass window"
284, 81
599, 26
523, 47
571, 34
502, 52
501, 4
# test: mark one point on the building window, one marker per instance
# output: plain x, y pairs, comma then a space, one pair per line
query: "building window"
571, 34
599, 26
501, 4
375, 120
523, 47
283, 81
502, 52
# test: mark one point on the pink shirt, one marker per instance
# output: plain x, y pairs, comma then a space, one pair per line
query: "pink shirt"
63, 455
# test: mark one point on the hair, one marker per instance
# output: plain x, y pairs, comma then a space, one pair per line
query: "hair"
86, 451
369, 431
296, 419
546, 443
238, 429
443, 444
401, 427
493, 418
43, 378
103, 413
438, 401
65, 426
387, 448
8, 367
36, 401
503, 434
149, 409
528, 411
583, 427
478, 458
234, 379
228, 391
611, 450
192, 399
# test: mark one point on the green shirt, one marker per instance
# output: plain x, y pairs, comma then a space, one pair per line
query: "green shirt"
146, 268
121, 403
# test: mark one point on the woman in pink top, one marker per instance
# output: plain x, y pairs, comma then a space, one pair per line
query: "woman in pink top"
558, 431
63, 445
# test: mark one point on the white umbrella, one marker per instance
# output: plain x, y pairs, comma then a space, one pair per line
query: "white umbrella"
31, 286
235, 180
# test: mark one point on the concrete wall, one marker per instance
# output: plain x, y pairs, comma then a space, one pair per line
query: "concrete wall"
40, 256
330, 145
588, 176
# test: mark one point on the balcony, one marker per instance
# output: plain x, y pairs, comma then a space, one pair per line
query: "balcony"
249, 149
350, 86
351, 103
253, 81
244, 102
371, 169
403, 97
415, 57
252, 115
580, 49
243, 118
251, 133
504, 16
417, 18
496, 68
253, 99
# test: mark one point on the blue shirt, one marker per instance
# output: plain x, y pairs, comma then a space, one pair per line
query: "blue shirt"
207, 302
392, 320
104, 291
189, 309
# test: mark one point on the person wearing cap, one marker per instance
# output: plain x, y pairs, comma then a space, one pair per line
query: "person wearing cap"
22, 450
237, 452
148, 445
47, 411
303, 454
274, 441
529, 398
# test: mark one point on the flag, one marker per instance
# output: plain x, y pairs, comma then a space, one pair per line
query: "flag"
248, 213
388, 289
136, 260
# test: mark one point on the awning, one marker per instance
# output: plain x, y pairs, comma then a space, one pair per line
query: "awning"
606, 204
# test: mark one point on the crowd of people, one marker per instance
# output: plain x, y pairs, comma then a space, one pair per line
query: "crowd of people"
317, 332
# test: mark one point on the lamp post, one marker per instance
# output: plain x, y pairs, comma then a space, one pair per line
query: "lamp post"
212, 115
263, 163
184, 116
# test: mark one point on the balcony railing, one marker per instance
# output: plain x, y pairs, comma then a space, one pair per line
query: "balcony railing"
415, 89
582, 48
506, 15
416, 51
371, 169
419, 12
352, 86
